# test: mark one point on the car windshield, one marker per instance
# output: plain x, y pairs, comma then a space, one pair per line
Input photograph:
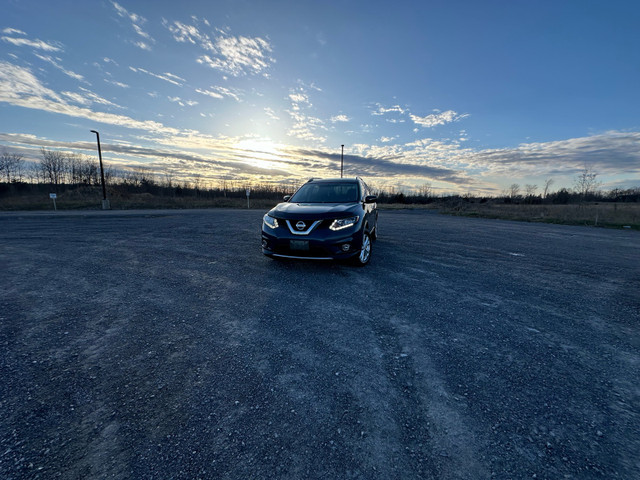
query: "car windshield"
326, 193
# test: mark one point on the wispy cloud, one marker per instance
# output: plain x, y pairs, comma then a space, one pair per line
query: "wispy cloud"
136, 22
19, 87
13, 31
271, 114
86, 98
184, 33
230, 54
219, 92
167, 77
381, 110
371, 165
436, 119
69, 73
116, 83
25, 42
183, 103
298, 98
240, 56
609, 153
340, 118
305, 126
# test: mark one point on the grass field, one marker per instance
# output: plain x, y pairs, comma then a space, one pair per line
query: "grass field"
81, 200
612, 215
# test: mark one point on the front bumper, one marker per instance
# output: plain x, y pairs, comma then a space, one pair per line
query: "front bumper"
318, 246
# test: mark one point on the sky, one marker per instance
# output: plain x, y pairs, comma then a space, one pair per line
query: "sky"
464, 96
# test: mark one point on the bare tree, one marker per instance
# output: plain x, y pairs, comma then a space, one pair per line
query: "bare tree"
514, 190
586, 183
52, 166
547, 183
426, 190
11, 166
530, 190
5, 160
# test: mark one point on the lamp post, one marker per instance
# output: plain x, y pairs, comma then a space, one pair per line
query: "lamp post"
341, 161
105, 202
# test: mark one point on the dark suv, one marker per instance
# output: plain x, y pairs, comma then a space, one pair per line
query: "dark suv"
324, 220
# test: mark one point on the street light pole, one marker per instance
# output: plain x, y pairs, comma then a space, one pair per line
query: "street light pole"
105, 202
341, 161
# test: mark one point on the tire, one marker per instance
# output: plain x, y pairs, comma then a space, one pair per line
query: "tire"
363, 257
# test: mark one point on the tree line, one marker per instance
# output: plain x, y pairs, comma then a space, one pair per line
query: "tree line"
63, 171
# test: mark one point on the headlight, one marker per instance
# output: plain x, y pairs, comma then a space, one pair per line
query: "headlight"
341, 223
270, 221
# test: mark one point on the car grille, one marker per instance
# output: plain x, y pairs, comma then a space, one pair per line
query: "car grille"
307, 226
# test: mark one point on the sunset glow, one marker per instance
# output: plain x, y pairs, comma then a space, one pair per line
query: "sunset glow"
465, 97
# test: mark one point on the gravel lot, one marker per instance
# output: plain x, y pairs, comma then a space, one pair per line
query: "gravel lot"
163, 344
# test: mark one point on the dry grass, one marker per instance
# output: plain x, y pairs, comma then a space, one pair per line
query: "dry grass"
613, 215
81, 200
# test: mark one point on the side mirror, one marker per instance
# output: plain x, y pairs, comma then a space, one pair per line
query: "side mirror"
286, 198
370, 199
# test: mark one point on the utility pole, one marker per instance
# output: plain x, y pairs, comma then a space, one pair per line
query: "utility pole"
105, 202
342, 161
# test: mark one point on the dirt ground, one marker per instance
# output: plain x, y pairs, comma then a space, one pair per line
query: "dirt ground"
163, 344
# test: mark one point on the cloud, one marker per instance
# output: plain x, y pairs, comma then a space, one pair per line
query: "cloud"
167, 77
436, 119
69, 73
142, 45
298, 98
234, 55
182, 103
340, 118
239, 55
87, 98
384, 110
271, 114
219, 92
184, 33
117, 84
136, 22
609, 153
25, 42
19, 87
13, 31
305, 126
380, 166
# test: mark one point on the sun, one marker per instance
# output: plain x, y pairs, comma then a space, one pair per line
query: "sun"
260, 153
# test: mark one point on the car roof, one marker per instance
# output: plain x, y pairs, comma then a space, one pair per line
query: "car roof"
333, 180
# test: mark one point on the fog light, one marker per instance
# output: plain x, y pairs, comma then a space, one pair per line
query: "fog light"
264, 243
346, 247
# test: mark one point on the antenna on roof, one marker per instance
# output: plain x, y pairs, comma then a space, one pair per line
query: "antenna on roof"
341, 161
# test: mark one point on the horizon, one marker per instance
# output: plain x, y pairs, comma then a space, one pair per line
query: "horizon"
465, 97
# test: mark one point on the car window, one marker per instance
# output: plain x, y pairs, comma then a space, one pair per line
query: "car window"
326, 193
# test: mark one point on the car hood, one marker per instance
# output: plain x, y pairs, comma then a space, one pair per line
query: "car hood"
314, 211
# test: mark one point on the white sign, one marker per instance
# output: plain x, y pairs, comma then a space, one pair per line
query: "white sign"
248, 192
53, 195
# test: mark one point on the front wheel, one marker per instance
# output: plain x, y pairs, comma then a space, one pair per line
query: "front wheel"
364, 255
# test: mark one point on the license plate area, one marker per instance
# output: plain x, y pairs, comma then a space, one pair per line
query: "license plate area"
300, 245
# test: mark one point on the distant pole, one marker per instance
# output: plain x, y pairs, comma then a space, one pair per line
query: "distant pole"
105, 203
342, 161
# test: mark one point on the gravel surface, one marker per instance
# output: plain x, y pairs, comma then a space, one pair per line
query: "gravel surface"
163, 344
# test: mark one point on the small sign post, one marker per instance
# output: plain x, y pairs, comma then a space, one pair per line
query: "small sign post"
53, 197
248, 193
